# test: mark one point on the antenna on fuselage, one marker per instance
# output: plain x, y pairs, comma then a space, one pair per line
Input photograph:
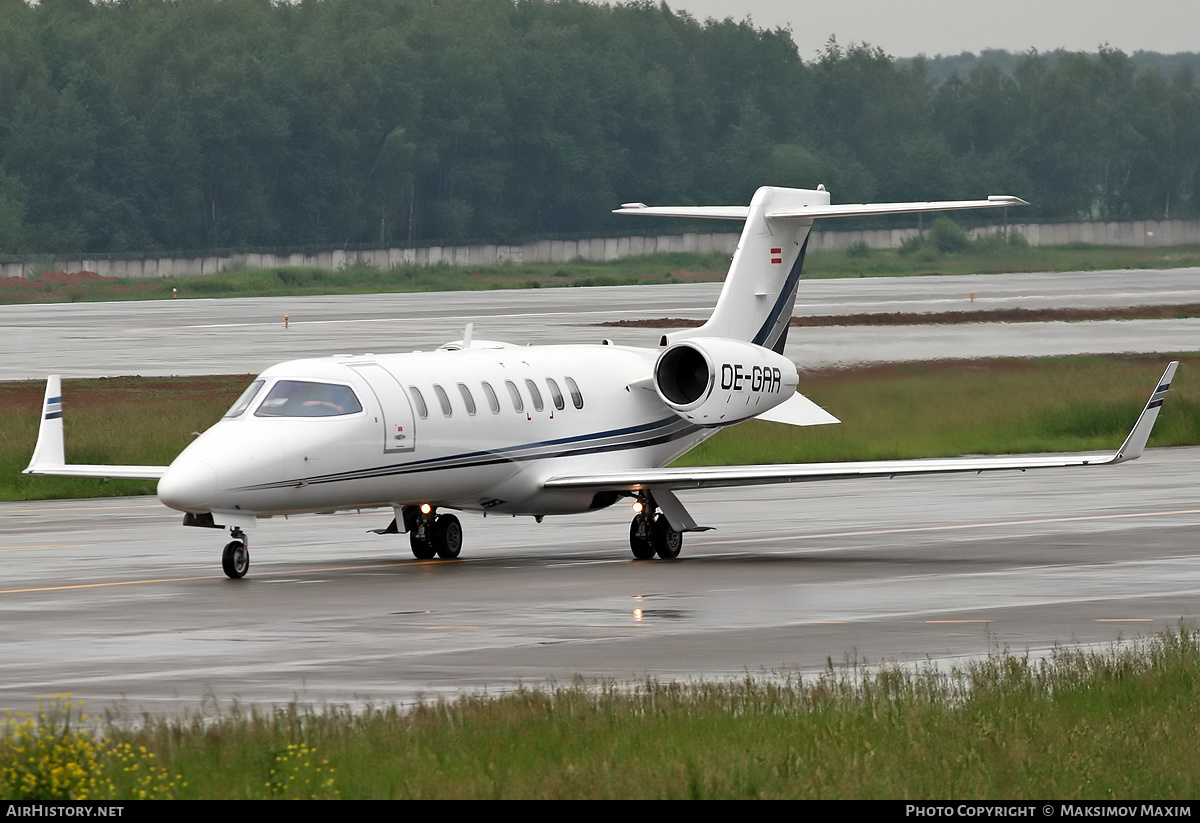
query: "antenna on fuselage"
467, 335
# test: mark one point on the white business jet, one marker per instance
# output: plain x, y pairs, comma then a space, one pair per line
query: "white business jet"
502, 429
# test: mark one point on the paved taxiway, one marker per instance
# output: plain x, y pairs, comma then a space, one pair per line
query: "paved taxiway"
246, 335
113, 601
116, 603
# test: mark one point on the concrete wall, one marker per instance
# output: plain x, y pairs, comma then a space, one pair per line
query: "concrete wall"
1129, 233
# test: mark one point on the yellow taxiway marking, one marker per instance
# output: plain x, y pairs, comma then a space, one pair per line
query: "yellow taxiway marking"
20, 510
958, 621
46, 546
216, 577
1124, 620
825, 535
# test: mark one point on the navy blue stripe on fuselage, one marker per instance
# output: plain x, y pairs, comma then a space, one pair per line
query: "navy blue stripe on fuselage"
508, 455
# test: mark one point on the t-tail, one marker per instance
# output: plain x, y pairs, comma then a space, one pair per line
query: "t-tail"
760, 289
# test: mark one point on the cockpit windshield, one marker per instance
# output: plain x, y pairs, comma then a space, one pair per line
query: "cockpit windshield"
302, 398
244, 401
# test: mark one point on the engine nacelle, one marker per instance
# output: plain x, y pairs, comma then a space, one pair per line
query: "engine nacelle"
712, 381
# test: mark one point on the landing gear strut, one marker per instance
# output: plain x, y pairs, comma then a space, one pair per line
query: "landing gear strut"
235, 560
435, 534
650, 533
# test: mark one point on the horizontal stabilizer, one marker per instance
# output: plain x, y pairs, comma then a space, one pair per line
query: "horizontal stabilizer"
49, 455
815, 211
860, 209
725, 476
707, 212
798, 410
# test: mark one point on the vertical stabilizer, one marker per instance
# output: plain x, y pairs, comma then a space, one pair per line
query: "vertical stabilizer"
760, 289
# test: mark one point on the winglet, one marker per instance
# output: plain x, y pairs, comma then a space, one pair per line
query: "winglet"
49, 451
1135, 443
50, 457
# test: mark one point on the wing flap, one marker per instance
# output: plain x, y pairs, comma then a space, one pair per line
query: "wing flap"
726, 476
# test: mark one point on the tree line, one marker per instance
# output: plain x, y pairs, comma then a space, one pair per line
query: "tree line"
161, 125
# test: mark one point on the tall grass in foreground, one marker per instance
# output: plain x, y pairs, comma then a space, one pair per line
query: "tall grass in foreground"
1118, 723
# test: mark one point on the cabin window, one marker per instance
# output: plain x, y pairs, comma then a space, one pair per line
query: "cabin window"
555, 394
493, 400
419, 402
515, 395
534, 394
467, 398
576, 395
302, 398
243, 402
443, 400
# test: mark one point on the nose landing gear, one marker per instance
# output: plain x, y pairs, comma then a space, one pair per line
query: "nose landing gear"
235, 559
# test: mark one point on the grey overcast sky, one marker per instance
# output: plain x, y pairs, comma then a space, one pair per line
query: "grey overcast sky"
904, 28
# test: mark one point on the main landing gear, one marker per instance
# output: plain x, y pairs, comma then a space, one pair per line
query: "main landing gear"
429, 534
235, 560
435, 534
651, 534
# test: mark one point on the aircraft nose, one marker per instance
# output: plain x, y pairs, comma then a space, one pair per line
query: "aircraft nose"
188, 486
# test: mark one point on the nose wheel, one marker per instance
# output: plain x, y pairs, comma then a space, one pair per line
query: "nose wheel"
235, 559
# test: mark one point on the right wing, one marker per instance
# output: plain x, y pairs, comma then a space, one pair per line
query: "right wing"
720, 476
49, 455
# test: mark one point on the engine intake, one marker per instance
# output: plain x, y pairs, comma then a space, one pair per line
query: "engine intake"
718, 382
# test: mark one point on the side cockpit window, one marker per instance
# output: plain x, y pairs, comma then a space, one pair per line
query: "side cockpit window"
302, 398
244, 401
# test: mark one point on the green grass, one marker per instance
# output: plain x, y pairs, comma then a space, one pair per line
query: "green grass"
980, 257
1113, 724
892, 411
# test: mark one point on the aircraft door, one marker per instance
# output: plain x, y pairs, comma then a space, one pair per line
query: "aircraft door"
399, 425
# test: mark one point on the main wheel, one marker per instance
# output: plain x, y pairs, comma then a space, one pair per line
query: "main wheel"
639, 540
666, 541
422, 548
447, 536
235, 560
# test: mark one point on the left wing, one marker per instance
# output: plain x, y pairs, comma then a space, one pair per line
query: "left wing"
719, 476
49, 455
